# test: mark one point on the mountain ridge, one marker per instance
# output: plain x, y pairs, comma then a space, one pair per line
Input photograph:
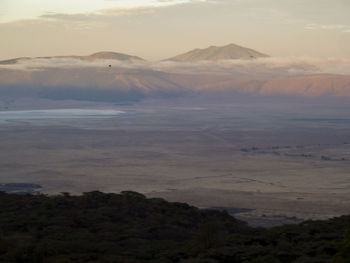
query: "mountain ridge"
216, 53
212, 53
116, 83
95, 56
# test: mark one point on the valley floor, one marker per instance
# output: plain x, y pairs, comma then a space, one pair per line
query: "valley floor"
281, 163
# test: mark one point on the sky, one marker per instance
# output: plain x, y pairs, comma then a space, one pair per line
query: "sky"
158, 29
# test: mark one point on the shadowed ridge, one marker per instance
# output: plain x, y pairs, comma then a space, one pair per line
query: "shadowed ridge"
13, 60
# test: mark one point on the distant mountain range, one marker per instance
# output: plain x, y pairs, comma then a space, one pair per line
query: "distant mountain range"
133, 80
212, 53
93, 57
122, 84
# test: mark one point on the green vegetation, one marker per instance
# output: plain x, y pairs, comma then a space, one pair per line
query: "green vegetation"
128, 227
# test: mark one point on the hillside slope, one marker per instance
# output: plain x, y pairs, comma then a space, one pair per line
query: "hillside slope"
128, 227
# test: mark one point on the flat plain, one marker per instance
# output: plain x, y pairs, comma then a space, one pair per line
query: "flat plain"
265, 163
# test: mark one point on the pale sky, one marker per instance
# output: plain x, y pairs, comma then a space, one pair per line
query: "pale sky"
157, 29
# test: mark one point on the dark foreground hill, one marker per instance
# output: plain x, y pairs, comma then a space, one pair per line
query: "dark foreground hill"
128, 227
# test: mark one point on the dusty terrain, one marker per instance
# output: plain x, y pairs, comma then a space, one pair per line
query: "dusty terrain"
280, 163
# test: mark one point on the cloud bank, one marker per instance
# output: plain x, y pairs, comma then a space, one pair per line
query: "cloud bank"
272, 66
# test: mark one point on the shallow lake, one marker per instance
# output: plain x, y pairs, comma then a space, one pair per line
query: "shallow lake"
59, 114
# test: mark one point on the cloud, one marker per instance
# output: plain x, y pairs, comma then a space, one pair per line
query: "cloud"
66, 10
144, 7
35, 8
110, 12
38, 64
102, 17
337, 27
273, 66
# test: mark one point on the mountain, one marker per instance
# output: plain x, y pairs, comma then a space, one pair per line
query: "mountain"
56, 79
93, 57
117, 84
112, 56
310, 85
214, 53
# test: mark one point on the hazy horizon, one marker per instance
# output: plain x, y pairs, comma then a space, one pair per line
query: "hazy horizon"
155, 29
